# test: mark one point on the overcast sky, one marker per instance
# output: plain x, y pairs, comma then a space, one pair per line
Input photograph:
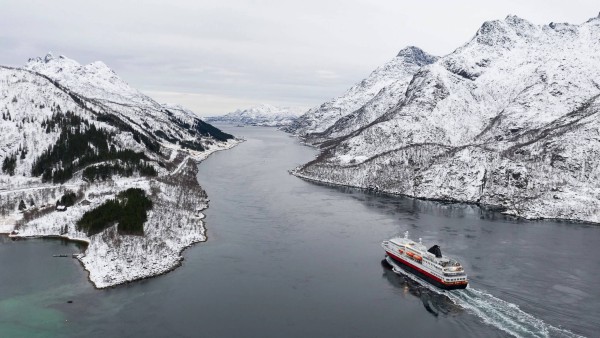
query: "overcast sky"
216, 56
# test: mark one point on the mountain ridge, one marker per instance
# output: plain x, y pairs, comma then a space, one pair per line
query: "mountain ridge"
495, 122
396, 72
259, 115
84, 133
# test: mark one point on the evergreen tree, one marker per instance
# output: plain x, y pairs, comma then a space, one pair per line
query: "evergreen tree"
129, 210
84, 144
9, 164
68, 199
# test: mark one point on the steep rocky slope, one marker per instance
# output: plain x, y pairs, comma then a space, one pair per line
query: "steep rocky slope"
261, 115
365, 101
79, 130
509, 119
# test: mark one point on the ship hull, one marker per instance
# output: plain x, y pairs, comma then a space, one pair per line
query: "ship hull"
424, 275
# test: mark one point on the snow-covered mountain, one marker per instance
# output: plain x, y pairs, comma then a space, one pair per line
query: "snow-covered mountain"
509, 119
365, 101
260, 115
99, 87
80, 128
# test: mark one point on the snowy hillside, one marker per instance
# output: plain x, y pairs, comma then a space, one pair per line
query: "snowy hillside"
81, 134
362, 103
260, 115
98, 87
509, 119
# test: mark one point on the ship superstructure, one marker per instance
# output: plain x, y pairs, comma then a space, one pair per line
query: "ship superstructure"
441, 271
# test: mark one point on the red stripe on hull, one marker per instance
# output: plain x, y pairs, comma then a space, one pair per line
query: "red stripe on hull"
427, 274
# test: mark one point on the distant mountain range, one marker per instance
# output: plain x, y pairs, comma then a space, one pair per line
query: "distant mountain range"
260, 115
509, 119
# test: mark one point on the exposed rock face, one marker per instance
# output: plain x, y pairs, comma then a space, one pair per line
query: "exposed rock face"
509, 119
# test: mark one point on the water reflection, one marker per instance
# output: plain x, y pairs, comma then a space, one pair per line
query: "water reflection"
436, 304
415, 207
79, 246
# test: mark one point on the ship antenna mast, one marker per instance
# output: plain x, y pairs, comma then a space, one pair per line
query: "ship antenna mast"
420, 240
406, 234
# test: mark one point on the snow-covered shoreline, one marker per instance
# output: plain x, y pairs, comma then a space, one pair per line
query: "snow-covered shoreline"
77, 136
492, 207
509, 120
175, 223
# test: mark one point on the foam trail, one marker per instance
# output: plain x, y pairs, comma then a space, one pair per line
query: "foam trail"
503, 315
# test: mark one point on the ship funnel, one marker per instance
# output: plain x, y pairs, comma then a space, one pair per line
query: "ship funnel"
436, 251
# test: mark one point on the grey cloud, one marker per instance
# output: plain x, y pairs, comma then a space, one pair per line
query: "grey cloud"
214, 56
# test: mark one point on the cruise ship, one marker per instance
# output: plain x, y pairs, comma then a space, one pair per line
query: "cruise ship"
441, 271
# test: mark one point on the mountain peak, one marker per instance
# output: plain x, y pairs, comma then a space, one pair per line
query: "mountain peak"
519, 23
416, 55
50, 60
496, 32
409, 50
513, 18
51, 64
594, 18
48, 57
504, 32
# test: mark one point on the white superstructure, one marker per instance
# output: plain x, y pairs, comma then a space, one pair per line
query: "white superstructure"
441, 271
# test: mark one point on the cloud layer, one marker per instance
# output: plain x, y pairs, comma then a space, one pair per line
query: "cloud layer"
215, 57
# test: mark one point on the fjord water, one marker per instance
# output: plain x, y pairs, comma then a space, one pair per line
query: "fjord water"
290, 258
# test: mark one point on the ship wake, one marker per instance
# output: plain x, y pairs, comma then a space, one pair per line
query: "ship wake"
503, 315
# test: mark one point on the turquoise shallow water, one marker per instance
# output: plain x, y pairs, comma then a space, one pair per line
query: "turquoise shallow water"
34, 286
285, 257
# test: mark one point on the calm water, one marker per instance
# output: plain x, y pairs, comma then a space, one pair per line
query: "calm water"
288, 258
